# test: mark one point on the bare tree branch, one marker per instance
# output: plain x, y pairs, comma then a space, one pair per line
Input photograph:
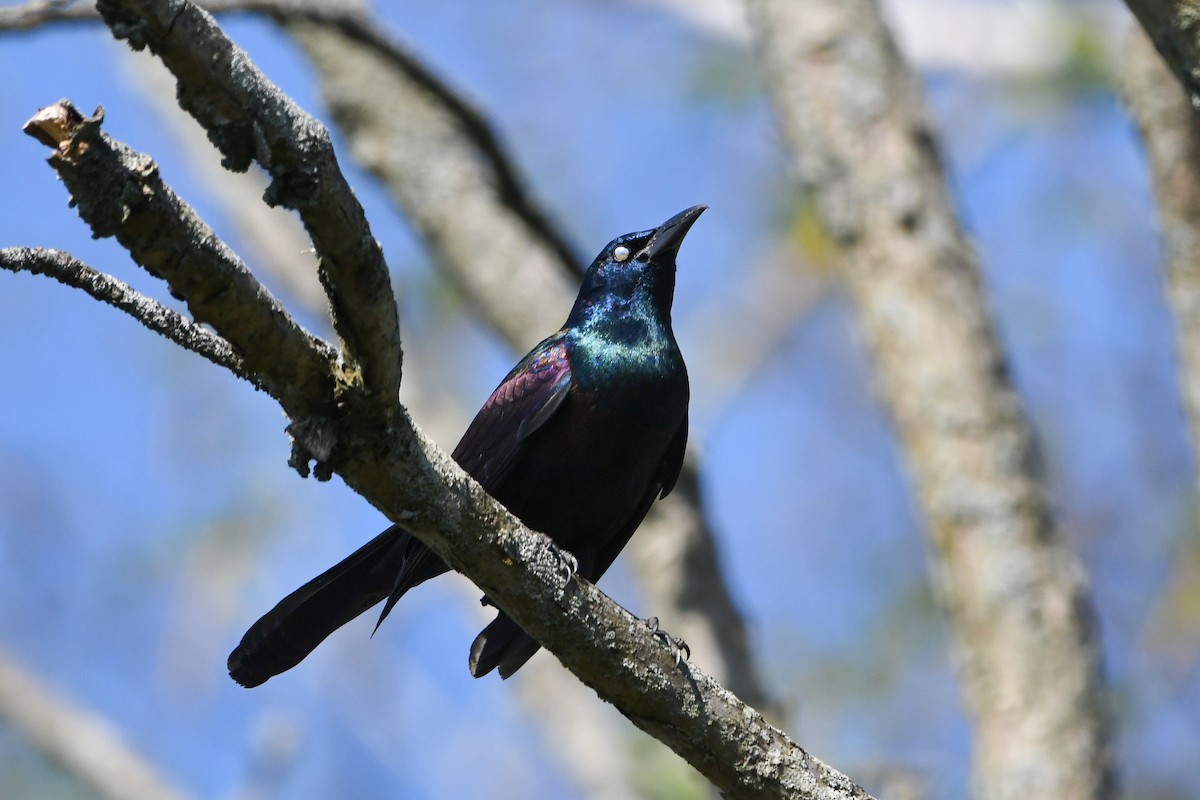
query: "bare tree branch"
84, 743
443, 166
723, 738
146, 310
120, 193
853, 116
249, 119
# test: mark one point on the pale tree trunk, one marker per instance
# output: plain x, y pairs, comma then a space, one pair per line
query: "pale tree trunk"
853, 116
1171, 132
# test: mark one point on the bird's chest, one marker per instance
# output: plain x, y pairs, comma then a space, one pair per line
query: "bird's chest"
604, 448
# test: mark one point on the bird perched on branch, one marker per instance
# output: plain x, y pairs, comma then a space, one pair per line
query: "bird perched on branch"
577, 441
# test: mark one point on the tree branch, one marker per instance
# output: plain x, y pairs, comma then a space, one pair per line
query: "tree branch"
120, 193
1171, 133
852, 114
146, 310
440, 164
1174, 27
249, 119
729, 742
81, 741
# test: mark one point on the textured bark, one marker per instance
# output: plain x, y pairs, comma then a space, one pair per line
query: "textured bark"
249, 120
1171, 133
119, 192
439, 161
86, 745
853, 116
1174, 27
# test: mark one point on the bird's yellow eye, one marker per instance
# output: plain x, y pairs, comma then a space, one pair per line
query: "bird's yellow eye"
620, 253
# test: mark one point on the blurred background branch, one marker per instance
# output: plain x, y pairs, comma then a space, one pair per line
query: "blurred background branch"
83, 743
1170, 130
853, 115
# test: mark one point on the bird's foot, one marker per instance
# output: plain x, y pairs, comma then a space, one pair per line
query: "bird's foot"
682, 651
568, 565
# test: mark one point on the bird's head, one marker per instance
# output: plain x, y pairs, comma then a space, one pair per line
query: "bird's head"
634, 273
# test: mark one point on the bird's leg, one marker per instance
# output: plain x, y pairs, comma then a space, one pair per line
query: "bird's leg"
682, 651
568, 565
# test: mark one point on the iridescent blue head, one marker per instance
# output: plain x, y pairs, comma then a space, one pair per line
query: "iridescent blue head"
633, 276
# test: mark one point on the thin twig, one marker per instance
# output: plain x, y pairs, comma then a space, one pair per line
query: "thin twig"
120, 193
68, 270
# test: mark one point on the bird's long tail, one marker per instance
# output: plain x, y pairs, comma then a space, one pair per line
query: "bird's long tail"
385, 567
501, 644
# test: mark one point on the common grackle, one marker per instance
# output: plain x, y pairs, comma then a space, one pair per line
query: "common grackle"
577, 441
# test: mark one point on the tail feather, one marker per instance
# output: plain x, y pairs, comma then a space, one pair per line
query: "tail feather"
292, 629
503, 644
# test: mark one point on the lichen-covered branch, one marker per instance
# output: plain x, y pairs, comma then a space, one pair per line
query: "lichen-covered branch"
118, 192
853, 116
249, 119
1171, 132
179, 329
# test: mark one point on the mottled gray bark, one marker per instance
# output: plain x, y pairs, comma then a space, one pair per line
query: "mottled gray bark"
1174, 27
853, 116
1171, 132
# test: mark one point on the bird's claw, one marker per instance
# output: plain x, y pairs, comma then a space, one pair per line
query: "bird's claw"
682, 651
568, 565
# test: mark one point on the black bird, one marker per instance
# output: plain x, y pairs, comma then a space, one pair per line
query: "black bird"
577, 441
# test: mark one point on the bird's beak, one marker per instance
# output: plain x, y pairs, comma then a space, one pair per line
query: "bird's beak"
668, 236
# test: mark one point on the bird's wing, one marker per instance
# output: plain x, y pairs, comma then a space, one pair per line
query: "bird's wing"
520, 405
673, 460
